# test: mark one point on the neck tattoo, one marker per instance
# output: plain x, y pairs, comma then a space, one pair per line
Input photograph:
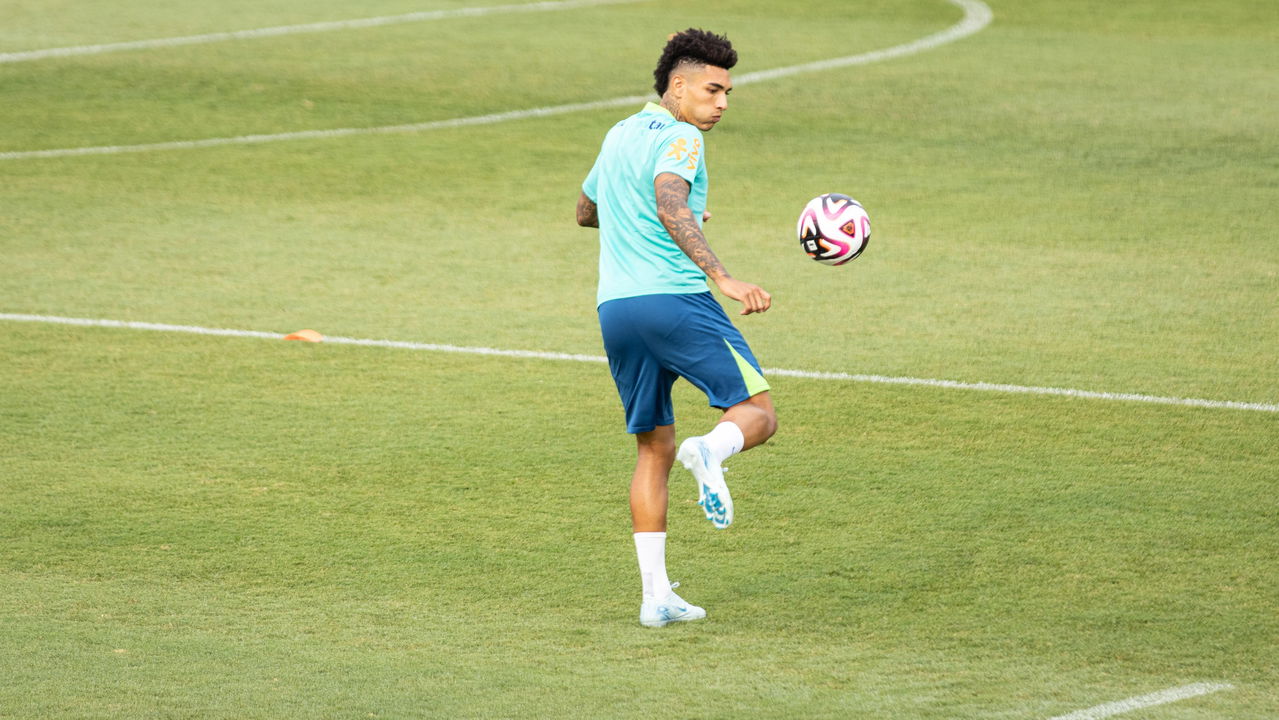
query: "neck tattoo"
672, 107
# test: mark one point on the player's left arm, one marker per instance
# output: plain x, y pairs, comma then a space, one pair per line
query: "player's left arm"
678, 219
587, 212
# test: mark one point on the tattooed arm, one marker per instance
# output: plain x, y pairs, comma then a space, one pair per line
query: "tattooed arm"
587, 212
673, 211
677, 218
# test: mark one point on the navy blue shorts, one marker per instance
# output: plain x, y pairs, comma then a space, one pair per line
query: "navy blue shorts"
652, 340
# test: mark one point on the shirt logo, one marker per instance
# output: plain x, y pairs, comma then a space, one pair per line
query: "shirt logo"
680, 151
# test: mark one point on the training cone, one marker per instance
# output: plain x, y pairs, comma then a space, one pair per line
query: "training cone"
305, 336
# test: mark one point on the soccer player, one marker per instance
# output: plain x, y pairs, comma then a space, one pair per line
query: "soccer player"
647, 195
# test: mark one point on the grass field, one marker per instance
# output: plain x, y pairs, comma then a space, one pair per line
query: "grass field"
1080, 196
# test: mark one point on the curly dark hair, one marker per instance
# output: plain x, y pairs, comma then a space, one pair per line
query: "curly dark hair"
696, 47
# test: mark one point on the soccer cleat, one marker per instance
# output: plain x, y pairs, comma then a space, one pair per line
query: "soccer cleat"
712, 492
655, 613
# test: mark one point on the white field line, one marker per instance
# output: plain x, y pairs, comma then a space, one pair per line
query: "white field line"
317, 27
539, 355
327, 134
977, 15
1162, 697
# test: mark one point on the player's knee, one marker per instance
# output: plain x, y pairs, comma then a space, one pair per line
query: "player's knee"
767, 415
758, 422
657, 445
664, 451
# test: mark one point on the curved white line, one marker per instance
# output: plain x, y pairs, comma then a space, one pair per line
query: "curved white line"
542, 355
977, 15
29, 55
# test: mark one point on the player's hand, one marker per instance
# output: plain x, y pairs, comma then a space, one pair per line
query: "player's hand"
706, 215
752, 297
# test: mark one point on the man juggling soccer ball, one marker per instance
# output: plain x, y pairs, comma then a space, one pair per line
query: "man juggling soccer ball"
647, 195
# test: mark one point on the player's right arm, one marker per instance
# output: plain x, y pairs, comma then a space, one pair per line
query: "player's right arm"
675, 215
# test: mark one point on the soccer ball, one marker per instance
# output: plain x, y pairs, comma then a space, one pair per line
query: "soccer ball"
833, 229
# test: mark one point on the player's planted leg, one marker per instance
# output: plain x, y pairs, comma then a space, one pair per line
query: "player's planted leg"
649, 499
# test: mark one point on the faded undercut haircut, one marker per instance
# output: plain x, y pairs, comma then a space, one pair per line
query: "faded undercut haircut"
694, 47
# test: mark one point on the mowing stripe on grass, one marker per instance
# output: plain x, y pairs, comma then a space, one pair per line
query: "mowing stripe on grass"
977, 15
317, 27
780, 372
1162, 697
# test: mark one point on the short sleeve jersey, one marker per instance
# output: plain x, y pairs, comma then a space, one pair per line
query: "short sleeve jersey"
637, 254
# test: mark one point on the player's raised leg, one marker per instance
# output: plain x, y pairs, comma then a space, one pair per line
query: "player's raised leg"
743, 426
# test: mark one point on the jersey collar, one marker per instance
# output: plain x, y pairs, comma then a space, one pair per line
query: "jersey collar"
653, 107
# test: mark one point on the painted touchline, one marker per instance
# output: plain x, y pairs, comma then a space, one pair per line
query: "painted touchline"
778, 372
977, 15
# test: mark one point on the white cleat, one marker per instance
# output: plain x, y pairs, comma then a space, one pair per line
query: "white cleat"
712, 492
655, 613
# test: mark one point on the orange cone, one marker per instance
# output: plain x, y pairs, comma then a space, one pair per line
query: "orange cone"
305, 336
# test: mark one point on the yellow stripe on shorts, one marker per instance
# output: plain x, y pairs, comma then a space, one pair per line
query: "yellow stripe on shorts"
755, 383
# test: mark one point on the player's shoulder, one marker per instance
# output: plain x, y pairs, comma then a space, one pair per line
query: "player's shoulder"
680, 143
678, 138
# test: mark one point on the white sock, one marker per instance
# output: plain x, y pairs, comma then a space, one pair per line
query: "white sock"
650, 548
725, 441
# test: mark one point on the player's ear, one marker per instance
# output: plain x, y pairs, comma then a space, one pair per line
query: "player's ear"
676, 84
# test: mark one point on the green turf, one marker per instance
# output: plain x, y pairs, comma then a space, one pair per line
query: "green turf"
1079, 196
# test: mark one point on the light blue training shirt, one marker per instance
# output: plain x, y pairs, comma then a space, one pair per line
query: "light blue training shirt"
637, 254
